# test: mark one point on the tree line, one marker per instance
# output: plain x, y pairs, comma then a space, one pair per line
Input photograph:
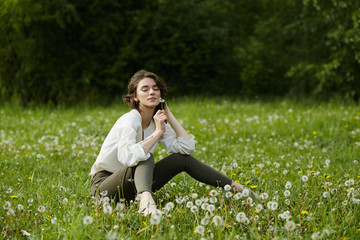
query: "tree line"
66, 51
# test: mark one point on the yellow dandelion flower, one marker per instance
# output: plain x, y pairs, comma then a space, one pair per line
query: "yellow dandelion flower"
299, 171
145, 223
325, 187
305, 212
254, 186
239, 181
256, 211
29, 178
227, 226
345, 238
314, 132
328, 176
49, 217
248, 181
358, 230
312, 171
358, 176
346, 126
258, 172
13, 196
195, 231
179, 211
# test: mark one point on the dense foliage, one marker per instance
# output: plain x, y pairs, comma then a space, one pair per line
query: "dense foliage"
65, 51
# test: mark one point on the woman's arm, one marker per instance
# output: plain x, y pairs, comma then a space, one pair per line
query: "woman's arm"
159, 118
179, 130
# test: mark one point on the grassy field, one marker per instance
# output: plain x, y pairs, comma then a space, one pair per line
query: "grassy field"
302, 158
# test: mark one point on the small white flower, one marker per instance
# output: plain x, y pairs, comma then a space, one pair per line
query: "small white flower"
272, 205
211, 208
41, 209
87, 220
7, 205
189, 204
154, 220
107, 209
287, 201
214, 193
218, 221
104, 193
169, 206
264, 196
245, 192
119, 206
111, 235
54, 221
20, 207
194, 209
194, 195
213, 200
290, 226
286, 193
204, 206
11, 212
326, 194
198, 202
305, 178
259, 207
200, 229
288, 185
228, 194
205, 221
238, 195
227, 187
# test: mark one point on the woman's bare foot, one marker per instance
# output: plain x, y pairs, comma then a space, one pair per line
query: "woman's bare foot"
147, 203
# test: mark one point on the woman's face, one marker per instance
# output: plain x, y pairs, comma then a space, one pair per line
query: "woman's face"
148, 93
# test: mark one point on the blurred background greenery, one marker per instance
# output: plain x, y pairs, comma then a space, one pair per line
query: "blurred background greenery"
70, 51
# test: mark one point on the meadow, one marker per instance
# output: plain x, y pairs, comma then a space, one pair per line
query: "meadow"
301, 157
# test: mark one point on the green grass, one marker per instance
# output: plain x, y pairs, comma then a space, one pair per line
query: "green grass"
46, 156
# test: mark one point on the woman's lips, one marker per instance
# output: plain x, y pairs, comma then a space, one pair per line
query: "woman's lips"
152, 99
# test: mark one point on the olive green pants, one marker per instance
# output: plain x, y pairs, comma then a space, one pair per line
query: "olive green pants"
150, 176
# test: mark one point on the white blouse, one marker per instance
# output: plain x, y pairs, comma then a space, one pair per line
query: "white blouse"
122, 145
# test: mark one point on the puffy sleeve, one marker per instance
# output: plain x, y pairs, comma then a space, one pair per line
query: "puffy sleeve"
175, 144
129, 153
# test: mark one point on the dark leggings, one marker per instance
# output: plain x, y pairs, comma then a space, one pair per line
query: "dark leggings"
149, 176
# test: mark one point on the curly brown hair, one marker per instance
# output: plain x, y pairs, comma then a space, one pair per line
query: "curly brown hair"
133, 84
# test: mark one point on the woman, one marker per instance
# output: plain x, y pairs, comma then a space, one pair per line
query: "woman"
125, 165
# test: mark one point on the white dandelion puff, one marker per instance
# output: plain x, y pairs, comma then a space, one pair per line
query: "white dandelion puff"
227, 187
245, 192
87, 220
272, 205
288, 185
111, 235
264, 196
290, 226
286, 193
41, 209
218, 221
213, 193
200, 229
304, 178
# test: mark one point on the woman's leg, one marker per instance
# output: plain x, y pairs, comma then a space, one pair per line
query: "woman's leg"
118, 184
170, 166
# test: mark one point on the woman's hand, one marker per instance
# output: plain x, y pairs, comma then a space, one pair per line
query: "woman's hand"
160, 118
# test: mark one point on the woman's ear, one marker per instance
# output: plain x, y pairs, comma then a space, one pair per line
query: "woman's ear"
135, 98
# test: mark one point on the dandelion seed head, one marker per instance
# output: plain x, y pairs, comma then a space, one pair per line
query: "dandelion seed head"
245, 192
264, 196
41, 209
200, 229
228, 194
286, 193
290, 226
288, 185
111, 235
227, 187
218, 221
194, 209
213, 193
304, 178
87, 220
272, 205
